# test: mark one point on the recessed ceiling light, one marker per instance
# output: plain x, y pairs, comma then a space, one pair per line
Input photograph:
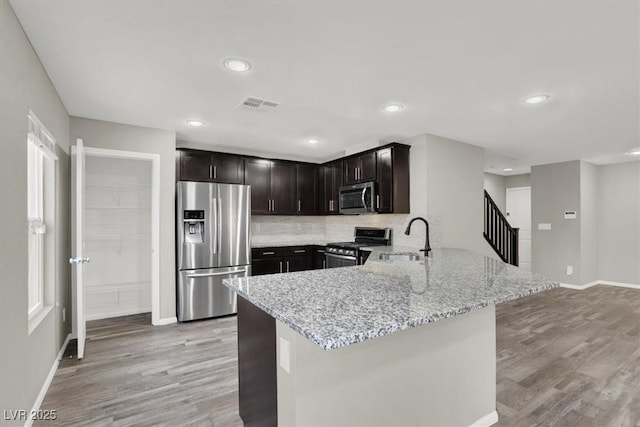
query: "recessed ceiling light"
634, 152
393, 108
536, 99
507, 169
195, 123
313, 140
238, 65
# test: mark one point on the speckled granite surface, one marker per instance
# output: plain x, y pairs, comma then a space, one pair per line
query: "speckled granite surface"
341, 306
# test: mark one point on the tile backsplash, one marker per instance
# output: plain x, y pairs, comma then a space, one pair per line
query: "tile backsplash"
339, 228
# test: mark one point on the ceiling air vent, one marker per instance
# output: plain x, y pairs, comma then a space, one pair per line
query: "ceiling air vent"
256, 104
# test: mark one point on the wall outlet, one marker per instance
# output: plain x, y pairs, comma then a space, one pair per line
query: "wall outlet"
569, 270
64, 314
285, 355
544, 226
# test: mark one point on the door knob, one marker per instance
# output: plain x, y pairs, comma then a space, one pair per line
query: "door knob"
79, 260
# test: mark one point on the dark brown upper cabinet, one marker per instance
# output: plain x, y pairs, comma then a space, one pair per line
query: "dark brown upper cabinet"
393, 180
273, 186
360, 168
206, 166
306, 189
282, 187
329, 182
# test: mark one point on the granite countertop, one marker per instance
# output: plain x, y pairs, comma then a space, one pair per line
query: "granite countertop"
342, 306
284, 243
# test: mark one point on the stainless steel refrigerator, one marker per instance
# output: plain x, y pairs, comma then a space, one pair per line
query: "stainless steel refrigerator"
213, 243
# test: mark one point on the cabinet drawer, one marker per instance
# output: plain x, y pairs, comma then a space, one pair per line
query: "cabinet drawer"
257, 253
298, 250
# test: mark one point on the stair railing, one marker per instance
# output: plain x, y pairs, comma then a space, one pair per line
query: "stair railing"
498, 232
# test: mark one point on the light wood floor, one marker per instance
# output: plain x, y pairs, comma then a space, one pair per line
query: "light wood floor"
565, 358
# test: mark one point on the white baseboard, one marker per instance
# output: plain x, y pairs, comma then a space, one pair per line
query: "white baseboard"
487, 420
620, 284
600, 282
47, 381
579, 287
166, 321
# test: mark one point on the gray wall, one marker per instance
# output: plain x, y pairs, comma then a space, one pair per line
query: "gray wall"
555, 188
588, 222
619, 222
513, 181
115, 136
560, 187
26, 359
496, 187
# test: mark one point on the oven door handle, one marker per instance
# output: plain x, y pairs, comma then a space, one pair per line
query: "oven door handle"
348, 257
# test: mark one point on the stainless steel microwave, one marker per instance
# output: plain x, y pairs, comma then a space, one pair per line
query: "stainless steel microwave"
358, 198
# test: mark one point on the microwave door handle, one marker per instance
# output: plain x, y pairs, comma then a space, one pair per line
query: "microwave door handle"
364, 201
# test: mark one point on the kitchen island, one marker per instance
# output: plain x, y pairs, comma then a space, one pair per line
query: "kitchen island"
386, 343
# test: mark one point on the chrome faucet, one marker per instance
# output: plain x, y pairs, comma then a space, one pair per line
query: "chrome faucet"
427, 247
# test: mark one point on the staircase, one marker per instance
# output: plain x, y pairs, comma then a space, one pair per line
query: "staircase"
498, 233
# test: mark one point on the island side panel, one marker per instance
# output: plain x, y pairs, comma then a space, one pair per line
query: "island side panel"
443, 373
257, 378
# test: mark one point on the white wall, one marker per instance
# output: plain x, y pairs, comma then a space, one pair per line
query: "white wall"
619, 222
25, 359
497, 189
115, 136
454, 186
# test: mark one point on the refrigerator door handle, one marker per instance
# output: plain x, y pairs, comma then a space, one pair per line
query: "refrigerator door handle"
224, 273
214, 228
219, 223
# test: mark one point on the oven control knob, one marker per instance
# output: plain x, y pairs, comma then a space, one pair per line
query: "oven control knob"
341, 251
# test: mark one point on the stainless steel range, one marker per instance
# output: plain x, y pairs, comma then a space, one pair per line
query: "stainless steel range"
345, 254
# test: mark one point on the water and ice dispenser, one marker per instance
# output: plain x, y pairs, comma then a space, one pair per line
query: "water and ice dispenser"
193, 226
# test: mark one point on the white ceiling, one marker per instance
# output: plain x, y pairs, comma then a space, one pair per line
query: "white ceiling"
461, 68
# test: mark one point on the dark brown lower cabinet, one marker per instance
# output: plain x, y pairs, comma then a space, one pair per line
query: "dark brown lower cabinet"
281, 259
267, 261
257, 375
319, 261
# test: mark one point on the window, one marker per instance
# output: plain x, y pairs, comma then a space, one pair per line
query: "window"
41, 160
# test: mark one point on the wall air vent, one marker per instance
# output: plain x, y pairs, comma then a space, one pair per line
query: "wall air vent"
256, 104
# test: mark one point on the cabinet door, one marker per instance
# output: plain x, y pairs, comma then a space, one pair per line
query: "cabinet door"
196, 166
267, 266
318, 258
351, 166
323, 180
283, 187
385, 182
367, 167
256, 174
306, 189
227, 168
299, 263
336, 183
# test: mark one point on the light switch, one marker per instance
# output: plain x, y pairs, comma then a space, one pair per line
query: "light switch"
544, 226
285, 355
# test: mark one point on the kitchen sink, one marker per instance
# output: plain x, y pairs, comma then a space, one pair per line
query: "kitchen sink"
412, 256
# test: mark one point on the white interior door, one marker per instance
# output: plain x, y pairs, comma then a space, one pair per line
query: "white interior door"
77, 259
519, 215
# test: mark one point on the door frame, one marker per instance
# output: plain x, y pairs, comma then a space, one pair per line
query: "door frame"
506, 201
155, 215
